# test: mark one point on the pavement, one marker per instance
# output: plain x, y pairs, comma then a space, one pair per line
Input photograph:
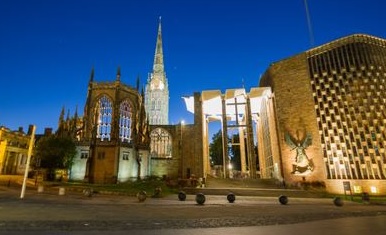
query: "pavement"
53, 211
48, 212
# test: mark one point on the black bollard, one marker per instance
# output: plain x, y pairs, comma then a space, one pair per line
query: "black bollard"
338, 201
283, 200
200, 198
231, 197
182, 196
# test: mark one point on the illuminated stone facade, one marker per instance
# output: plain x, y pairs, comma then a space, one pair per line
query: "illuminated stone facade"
157, 88
13, 150
331, 117
113, 142
124, 135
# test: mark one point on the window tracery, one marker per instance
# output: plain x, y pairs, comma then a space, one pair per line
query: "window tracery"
161, 143
104, 118
125, 120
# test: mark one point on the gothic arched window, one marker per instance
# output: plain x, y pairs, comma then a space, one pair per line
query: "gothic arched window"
125, 120
159, 104
105, 113
161, 143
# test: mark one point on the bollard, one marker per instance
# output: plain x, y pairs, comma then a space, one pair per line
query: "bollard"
283, 200
40, 188
365, 198
62, 191
182, 196
141, 196
88, 192
338, 201
231, 197
200, 198
157, 192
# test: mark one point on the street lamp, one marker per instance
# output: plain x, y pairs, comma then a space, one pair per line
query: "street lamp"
30, 147
180, 148
230, 167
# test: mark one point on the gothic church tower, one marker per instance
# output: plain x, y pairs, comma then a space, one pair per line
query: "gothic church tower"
157, 89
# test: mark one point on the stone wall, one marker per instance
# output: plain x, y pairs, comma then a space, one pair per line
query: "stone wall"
372, 187
104, 164
296, 116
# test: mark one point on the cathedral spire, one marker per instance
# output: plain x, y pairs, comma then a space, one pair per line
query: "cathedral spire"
138, 83
158, 66
92, 75
61, 117
118, 73
157, 89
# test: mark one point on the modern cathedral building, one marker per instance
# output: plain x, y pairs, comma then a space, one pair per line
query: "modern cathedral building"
330, 116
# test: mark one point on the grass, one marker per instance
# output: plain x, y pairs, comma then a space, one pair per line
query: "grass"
130, 188
372, 199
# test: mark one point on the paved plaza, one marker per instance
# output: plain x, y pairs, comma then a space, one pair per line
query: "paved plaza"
73, 212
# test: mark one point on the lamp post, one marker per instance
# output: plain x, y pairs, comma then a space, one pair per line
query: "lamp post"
180, 147
89, 174
30, 146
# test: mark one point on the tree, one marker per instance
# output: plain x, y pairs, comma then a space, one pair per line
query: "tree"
215, 149
55, 152
235, 153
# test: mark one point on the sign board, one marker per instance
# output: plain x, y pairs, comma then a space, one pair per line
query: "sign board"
346, 186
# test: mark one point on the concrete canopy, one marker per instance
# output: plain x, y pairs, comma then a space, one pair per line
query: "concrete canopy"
212, 102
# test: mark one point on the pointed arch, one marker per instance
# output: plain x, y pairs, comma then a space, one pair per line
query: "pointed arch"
161, 143
159, 104
125, 121
105, 113
153, 104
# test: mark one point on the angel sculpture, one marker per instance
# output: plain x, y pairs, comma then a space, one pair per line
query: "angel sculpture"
302, 165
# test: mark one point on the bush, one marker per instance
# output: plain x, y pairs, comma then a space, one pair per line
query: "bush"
311, 184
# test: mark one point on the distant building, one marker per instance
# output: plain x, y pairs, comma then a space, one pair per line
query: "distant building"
330, 118
157, 88
13, 150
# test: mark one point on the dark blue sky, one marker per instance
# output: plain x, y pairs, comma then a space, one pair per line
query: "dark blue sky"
47, 47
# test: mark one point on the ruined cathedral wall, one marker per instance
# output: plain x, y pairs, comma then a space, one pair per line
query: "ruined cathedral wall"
128, 166
165, 167
168, 166
78, 168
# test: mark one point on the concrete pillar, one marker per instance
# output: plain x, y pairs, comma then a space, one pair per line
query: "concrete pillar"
224, 138
243, 159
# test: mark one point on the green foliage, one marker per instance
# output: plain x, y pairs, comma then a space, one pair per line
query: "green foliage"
215, 149
235, 153
55, 152
312, 184
150, 185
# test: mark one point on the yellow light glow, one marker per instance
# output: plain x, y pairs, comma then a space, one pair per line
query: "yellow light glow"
373, 189
357, 189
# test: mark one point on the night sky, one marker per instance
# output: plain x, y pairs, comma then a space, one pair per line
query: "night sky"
48, 47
